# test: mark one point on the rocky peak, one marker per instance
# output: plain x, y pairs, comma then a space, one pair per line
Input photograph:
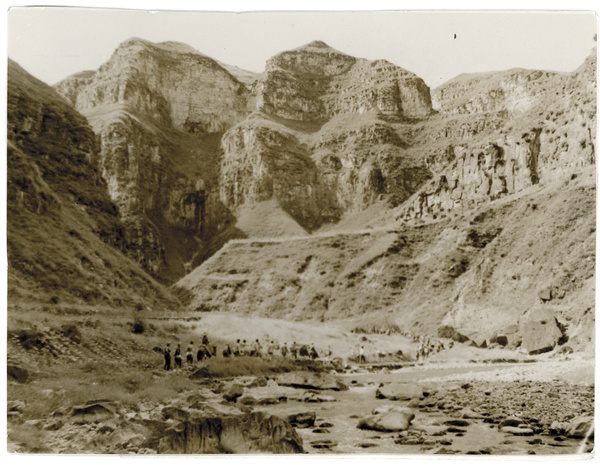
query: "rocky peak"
169, 83
316, 59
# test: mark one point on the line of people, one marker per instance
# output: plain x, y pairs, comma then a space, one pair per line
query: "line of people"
239, 349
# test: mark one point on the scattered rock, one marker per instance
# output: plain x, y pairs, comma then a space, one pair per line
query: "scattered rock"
72, 332
231, 391
393, 420
399, 391
174, 413
302, 420
16, 373
517, 431
54, 425
310, 380
540, 331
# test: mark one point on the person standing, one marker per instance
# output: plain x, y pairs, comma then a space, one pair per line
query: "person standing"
178, 356
189, 355
167, 354
361, 355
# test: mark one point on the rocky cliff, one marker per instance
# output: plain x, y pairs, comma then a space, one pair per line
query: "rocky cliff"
541, 128
159, 111
188, 144
64, 235
322, 140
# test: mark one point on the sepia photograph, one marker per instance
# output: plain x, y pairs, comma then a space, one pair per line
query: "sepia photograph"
354, 233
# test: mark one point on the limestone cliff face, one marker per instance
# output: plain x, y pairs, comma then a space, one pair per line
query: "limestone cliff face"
316, 82
262, 162
513, 91
169, 83
550, 135
159, 111
318, 141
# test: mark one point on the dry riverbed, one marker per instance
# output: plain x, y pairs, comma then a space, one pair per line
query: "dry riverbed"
542, 407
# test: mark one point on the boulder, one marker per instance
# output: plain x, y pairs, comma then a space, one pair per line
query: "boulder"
94, 411
468, 413
499, 339
540, 331
545, 294
457, 423
16, 373
174, 413
448, 332
201, 373
254, 432
231, 391
302, 420
246, 400
511, 421
399, 391
392, 420
310, 396
581, 427
516, 431
310, 380
323, 444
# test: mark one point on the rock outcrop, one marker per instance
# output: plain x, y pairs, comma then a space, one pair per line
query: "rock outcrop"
317, 142
395, 419
541, 331
536, 127
310, 380
316, 82
250, 433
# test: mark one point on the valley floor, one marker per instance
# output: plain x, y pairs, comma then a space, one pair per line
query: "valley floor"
95, 386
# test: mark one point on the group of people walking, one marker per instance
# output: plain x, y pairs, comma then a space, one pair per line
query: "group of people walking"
239, 349
204, 351
428, 347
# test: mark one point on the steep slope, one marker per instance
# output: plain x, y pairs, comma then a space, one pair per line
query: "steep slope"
65, 240
160, 111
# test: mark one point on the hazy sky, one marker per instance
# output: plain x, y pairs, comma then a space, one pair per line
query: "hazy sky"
52, 43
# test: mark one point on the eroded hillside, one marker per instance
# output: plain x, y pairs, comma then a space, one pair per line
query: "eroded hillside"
65, 239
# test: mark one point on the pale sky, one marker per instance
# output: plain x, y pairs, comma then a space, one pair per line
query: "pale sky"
52, 43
